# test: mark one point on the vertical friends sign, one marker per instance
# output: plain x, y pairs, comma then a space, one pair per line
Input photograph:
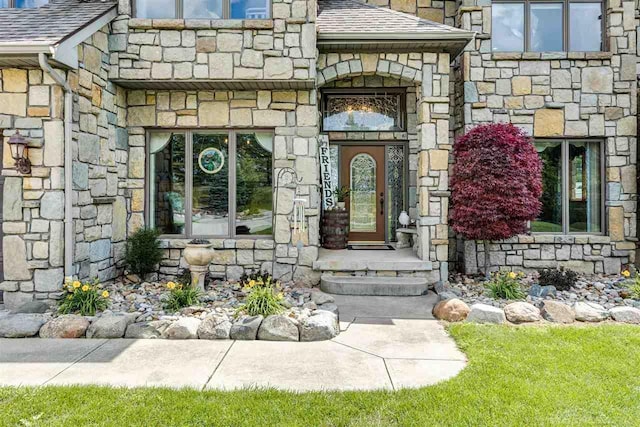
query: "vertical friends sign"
325, 173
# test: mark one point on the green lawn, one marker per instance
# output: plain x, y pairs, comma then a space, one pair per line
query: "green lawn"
517, 376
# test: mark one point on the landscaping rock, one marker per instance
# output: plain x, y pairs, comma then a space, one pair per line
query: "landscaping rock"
330, 307
542, 291
320, 297
321, 325
557, 312
185, 328
65, 326
451, 310
33, 307
483, 313
590, 312
447, 295
21, 325
522, 312
625, 314
110, 325
214, 327
278, 328
246, 328
147, 330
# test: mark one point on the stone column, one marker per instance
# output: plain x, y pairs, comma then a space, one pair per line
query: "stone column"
433, 162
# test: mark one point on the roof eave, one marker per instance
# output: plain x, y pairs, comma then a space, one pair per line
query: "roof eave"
390, 36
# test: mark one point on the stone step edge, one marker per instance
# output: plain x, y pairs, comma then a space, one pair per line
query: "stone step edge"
375, 286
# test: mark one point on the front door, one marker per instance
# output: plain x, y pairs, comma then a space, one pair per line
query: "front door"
362, 170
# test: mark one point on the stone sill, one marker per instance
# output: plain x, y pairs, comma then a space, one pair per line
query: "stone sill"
266, 242
542, 238
498, 56
201, 24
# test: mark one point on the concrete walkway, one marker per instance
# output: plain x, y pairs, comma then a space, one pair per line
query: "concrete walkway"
386, 343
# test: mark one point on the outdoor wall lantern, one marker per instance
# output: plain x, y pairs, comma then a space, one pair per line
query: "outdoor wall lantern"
20, 153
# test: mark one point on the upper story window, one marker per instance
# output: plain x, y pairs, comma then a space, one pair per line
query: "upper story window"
23, 4
546, 26
203, 9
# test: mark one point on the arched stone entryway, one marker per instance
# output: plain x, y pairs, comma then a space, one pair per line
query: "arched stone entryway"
429, 73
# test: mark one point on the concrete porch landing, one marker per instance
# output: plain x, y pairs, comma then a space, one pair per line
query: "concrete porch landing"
386, 343
348, 260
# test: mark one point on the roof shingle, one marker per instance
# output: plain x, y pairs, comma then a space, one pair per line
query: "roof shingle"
350, 16
51, 23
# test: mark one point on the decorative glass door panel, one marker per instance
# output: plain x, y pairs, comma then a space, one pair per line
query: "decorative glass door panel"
363, 169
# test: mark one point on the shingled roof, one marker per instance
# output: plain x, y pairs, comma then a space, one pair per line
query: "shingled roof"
51, 23
355, 25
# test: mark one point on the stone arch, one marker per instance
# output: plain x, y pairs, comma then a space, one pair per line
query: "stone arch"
354, 65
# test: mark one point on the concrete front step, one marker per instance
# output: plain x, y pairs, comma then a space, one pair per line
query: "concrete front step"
371, 285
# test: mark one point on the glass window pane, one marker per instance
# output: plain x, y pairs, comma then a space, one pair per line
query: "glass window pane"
585, 25
585, 198
507, 27
210, 211
155, 9
396, 185
250, 9
550, 218
546, 27
254, 191
202, 9
4, 3
375, 112
30, 3
362, 198
167, 188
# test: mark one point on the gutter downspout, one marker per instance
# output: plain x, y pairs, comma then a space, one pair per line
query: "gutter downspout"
68, 163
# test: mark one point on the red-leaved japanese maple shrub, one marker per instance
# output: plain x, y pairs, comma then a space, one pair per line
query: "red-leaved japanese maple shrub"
496, 184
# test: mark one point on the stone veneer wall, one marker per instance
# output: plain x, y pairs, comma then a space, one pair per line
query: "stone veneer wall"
558, 95
410, 135
282, 48
429, 73
443, 11
33, 208
294, 117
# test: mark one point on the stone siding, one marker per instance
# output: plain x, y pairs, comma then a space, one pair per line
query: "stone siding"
293, 115
562, 95
33, 244
443, 11
282, 48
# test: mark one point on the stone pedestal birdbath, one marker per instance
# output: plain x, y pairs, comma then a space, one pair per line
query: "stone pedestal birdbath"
198, 255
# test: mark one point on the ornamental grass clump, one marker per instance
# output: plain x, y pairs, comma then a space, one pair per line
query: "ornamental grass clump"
505, 285
634, 285
264, 297
85, 299
181, 296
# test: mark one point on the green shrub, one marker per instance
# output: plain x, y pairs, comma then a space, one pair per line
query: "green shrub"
505, 285
143, 251
181, 296
83, 298
262, 300
184, 276
562, 278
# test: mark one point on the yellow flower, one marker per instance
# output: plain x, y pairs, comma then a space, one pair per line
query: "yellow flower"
85, 288
626, 273
76, 284
105, 294
171, 285
280, 295
512, 275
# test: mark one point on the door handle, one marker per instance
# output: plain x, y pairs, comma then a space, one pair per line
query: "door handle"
381, 203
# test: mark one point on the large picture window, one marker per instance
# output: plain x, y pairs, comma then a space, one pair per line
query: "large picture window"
23, 4
546, 26
572, 197
210, 183
203, 9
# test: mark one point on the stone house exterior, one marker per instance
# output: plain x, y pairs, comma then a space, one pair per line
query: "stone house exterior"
182, 117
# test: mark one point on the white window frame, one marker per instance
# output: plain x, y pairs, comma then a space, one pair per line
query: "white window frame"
226, 10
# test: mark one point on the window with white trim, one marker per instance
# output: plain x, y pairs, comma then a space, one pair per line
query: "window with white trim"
210, 183
572, 187
22, 4
203, 9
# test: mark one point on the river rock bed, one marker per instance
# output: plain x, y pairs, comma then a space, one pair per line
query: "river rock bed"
136, 310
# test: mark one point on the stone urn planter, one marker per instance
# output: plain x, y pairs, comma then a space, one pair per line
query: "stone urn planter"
198, 254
